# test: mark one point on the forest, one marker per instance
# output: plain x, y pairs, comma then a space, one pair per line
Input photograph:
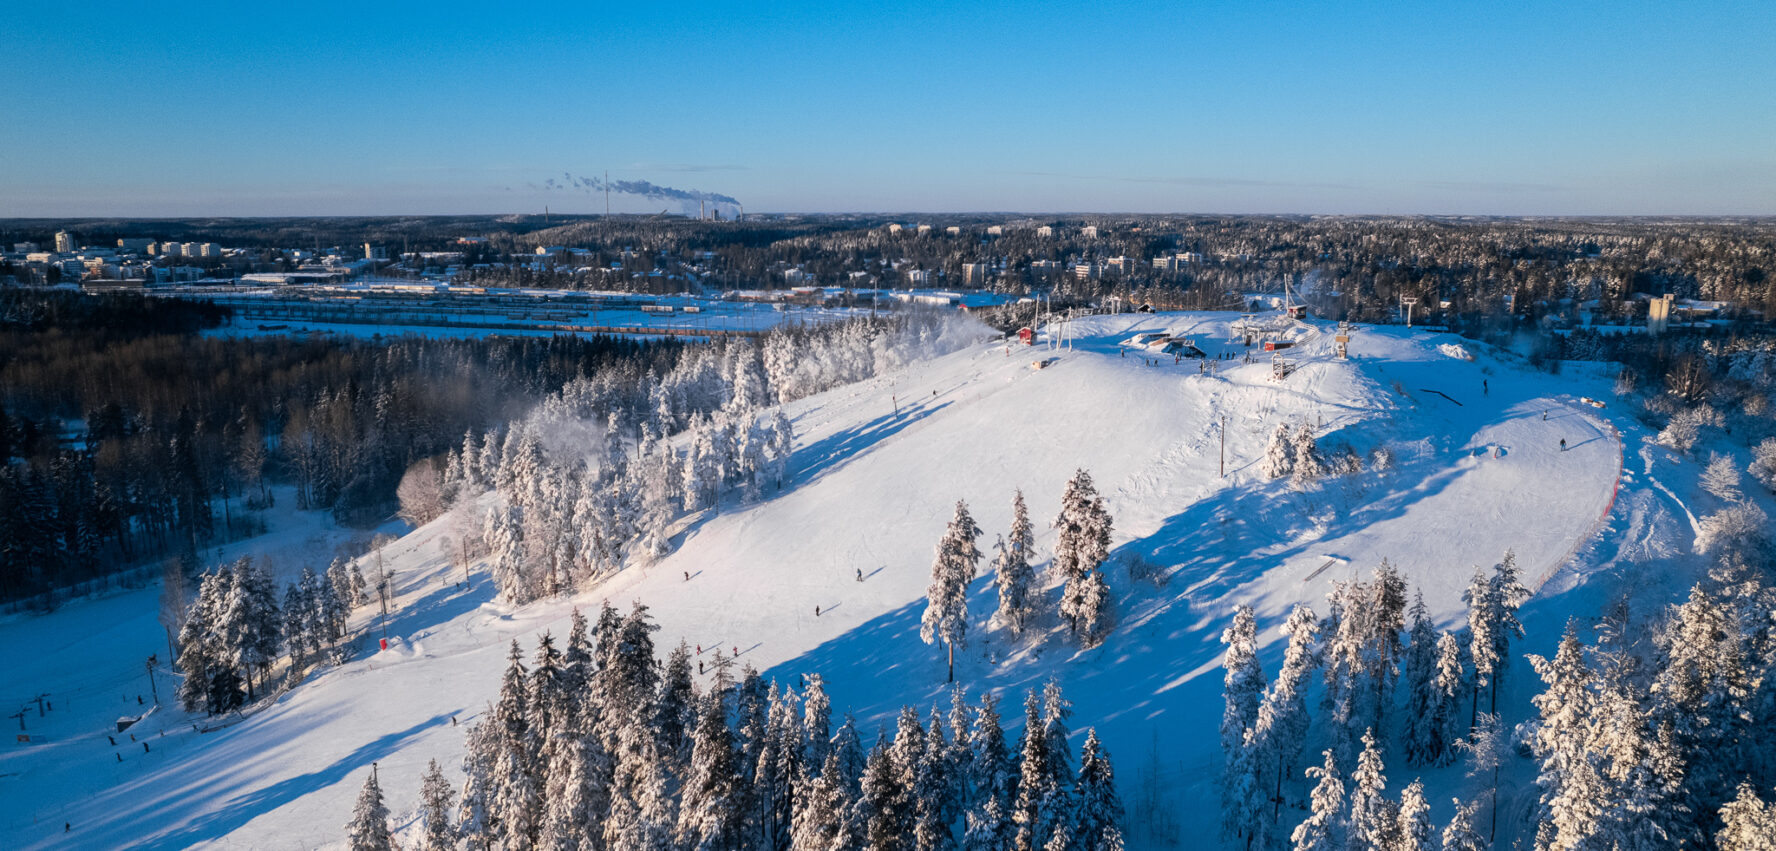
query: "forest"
132, 438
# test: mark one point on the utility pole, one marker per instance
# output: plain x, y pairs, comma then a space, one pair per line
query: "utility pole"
383, 591
1409, 301
152, 688
1223, 446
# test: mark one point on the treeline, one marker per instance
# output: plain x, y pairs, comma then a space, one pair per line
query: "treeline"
120, 449
599, 473
599, 745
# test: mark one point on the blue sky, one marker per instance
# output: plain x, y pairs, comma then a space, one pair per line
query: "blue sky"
1424, 107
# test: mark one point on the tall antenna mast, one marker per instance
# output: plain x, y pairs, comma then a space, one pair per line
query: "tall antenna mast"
607, 193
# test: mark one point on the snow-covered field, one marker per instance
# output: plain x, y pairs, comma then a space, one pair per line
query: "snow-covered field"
1478, 468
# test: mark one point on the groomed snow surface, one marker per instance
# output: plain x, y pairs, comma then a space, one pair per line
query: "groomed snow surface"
1478, 468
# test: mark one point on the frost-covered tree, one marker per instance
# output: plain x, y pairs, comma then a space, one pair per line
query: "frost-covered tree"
1413, 832
368, 829
1703, 692
710, 816
1322, 829
1461, 834
884, 807
1370, 817
946, 600
1082, 543
1273, 744
1572, 791
1423, 738
1242, 688
435, 801
1721, 478
504, 534
1279, 454
1485, 747
1012, 572
1763, 463
821, 809
1309, 465
1098, 823
1739, 529
1747, 823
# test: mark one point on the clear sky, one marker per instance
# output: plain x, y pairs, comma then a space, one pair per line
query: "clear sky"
1496, 107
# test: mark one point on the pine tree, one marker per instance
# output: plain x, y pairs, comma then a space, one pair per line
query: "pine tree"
1483, 630
1508, 594
1242, 687
1414, 830
1098, 825
1012, 572
368, 829
709, 817
504, 533
934, 794
1320, 832
1368, 811
1423, 735
884, 807
1460, 835
992, 774
1274, 743
1571, 788
1035, 777
1747, 823
1082, 543
435, 801
946, 609
1445, 711
820, 811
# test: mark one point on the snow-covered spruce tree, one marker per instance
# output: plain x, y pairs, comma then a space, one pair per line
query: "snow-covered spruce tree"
993, 775
1461, 835
1483, 626
435, 801
1703, 691
1369, 816
884, 807
1387, 615
299, 641
1508, 595
253, 627
1279, 454
1242, 687
1273, 744
1082, 543
1414, 830
1309, 464
1571, 788
1721, 478
505, 545
368, 829
1059, 807
1034, 781
821, 809
1422, 736
201, 655
1012, 571
946, 600
1098, 823
709, 815
1747, 823
1445, 709
935, 801
1322, 831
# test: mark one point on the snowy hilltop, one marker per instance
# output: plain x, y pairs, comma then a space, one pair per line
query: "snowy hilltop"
1099, 503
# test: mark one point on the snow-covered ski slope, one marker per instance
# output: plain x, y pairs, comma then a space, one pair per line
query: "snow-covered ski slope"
875, 477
